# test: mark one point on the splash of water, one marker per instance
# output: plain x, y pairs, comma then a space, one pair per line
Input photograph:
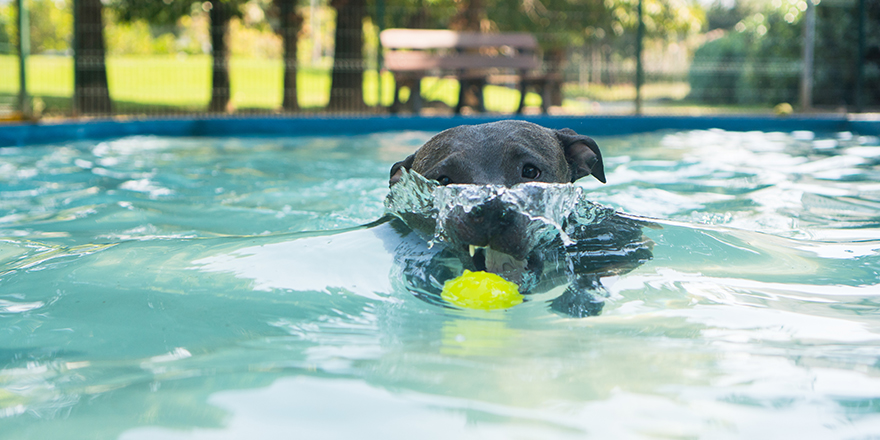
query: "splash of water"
412, 194
555, 209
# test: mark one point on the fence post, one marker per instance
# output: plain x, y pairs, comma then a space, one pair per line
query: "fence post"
24, 49
860, 63
380, 24
74, 99
809, 46
640, 31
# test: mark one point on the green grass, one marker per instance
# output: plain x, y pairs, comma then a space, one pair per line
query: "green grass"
171, 83
627, 92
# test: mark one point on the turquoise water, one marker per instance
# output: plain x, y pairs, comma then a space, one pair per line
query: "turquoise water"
176, 288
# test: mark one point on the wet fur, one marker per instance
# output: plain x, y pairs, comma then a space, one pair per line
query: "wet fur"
499, 154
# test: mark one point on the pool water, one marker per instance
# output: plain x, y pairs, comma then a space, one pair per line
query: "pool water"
194, 288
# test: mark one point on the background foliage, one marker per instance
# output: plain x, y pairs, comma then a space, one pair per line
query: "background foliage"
745, 54
757, 55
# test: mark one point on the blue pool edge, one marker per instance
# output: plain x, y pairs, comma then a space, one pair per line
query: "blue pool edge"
23, 134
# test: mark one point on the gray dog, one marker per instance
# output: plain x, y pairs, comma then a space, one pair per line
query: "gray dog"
505, 153
493, 236
500, 153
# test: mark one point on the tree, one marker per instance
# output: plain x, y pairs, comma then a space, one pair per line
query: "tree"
723, 16
758, 60
422, 14
51, 26
167, 12
470, 16
91, 94
558, 25
347, 89
289, 25
7, 29
565, 25
716, 69
837, 54
220, 13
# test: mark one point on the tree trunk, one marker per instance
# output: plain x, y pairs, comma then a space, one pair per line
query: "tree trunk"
469, 17
90, 95
291, 21
347, 88
220, 68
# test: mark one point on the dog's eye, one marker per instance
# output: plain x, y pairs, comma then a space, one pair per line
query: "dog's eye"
530, 172
444, 180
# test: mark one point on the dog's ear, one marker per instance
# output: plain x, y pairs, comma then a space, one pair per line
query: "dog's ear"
582, 154
397, 169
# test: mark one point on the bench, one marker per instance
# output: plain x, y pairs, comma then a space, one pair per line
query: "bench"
475, 59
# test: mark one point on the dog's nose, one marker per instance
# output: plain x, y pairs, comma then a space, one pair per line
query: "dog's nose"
506, 217
493, 214
477, 214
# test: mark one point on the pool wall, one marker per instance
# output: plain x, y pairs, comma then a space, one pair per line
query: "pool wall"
22, 134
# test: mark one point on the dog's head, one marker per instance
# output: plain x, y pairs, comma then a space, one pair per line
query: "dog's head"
495, 233
504, 153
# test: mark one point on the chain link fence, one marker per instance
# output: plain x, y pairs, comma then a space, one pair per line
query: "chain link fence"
174, 57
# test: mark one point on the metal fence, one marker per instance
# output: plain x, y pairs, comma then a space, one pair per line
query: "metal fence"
277, 56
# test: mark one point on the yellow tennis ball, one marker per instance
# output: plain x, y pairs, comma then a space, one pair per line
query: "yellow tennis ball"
482, 291
783, 109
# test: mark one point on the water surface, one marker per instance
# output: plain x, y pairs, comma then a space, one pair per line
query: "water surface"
176, 288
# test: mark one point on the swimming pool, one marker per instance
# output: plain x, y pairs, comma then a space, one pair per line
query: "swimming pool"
175, 287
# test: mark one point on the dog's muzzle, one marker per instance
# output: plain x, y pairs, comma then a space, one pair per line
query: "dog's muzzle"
499, 229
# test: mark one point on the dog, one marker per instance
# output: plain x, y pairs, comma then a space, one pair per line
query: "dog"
504, 153
495, 234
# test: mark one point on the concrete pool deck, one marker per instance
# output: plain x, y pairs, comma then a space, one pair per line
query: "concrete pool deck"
23, 134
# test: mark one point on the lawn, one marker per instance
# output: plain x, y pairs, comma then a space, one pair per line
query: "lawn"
170, 81
173, 84
183, 83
